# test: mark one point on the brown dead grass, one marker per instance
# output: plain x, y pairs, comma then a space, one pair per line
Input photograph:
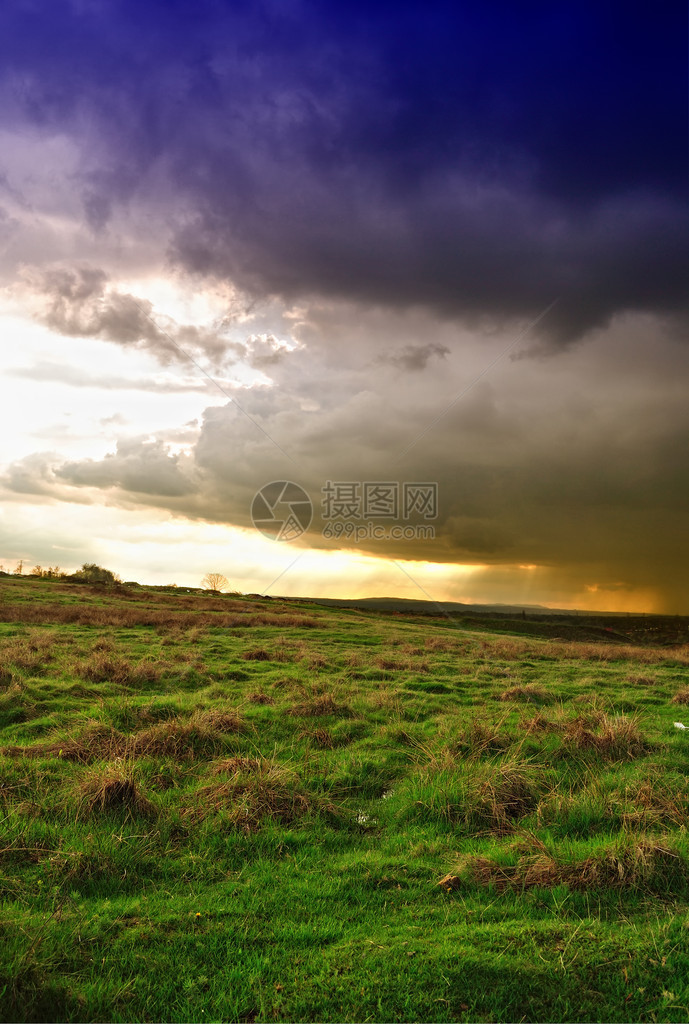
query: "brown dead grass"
629, 866
383, 699
604, 651
120, 615
31, 653
511, 649
411, 649
260, 698
682, 696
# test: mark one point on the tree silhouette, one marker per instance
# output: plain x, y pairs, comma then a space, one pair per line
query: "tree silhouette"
214, 581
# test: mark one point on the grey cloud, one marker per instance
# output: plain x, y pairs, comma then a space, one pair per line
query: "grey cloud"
32, 474
415, 358
140, 466
78, 302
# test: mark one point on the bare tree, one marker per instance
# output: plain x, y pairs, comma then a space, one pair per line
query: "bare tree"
214, 581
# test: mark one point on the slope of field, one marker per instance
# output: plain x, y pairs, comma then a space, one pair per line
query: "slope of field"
223, 808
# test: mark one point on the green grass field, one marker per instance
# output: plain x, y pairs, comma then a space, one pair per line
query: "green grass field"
234, 809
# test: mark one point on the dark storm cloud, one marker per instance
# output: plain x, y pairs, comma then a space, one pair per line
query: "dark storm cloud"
476, 159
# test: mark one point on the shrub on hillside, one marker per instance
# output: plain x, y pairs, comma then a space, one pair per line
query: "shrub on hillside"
92, 573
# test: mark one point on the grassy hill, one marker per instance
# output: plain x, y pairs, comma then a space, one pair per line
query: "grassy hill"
228, 808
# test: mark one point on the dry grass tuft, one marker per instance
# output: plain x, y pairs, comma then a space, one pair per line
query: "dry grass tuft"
221, 721
258, 654
388, 664
321, 738
96, 743
483, 796
6, 676
531, 693
201, 735
398, 734
511, 791
628, 866
113, 788
480, 737
540, 723
258, 789
105, 667
232, 765
387, 700
324, 705
441, 644
682, 696
411, 649
260, 698
177, 739
655, 803
616, 737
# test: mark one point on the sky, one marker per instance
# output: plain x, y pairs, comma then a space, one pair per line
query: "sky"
424, 262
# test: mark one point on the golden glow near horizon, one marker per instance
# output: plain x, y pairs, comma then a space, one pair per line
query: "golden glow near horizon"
150, 547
